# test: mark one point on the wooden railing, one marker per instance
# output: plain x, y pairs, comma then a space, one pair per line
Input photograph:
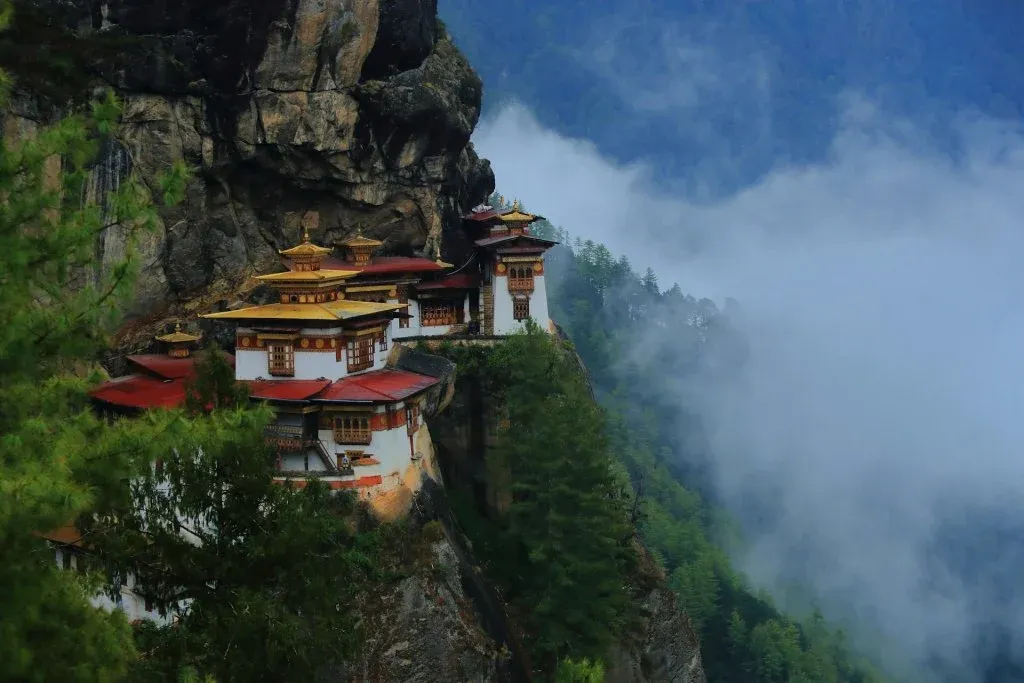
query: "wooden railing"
520, 284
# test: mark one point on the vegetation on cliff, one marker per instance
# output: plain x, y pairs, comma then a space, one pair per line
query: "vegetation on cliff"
604, 306
560, 545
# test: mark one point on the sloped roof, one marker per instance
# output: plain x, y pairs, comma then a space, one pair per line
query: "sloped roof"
141, 391
163, 366
322, 275
327, 311
385, 265
177, 336
286, 389
378, 386
512, 239
457, 281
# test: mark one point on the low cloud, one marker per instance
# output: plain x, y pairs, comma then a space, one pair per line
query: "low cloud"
883, 297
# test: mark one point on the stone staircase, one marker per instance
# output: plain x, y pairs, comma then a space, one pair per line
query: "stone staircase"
487, 308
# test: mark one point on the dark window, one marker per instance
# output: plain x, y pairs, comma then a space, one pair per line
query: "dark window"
360, 353
281, 359
521, 308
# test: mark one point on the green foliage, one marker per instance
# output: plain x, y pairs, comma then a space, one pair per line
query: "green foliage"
210, 527
562, 551
55, 305
582, 671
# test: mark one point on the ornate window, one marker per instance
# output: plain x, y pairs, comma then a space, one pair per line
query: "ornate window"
281, 359
520, 278
352, 429
360, 353
521, 308
438, 312
382, 340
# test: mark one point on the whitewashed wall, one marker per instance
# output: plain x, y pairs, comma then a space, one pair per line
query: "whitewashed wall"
504, 320
131, 603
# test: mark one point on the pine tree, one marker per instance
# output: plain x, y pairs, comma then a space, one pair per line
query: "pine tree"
650, 281
267, 573
567, 514
54, 310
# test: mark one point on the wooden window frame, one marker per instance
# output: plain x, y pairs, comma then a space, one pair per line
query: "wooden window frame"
382, 340
442, 312
353, 430
281, 358
520, 278
361, 349
521, 308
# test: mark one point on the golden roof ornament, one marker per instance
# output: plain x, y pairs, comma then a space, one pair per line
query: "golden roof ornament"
358, 240
517, 215
437, 256
305, 248
177, 337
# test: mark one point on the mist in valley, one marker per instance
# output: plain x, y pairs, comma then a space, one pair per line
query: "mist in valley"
871, 443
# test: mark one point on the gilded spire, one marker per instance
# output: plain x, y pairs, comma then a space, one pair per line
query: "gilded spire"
437, 256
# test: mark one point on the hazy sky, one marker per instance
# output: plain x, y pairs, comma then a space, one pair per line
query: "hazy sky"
883, 297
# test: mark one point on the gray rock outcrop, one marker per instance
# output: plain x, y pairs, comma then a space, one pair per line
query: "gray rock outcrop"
291, 113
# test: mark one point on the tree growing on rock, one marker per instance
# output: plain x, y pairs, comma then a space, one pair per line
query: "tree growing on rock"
567, 529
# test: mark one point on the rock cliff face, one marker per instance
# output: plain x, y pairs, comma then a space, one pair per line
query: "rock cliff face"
317, 113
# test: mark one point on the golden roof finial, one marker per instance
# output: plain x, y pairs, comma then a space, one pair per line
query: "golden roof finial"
177, 326
305, 235
515, 205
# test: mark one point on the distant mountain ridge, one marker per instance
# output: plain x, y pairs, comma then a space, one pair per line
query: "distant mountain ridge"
763, 77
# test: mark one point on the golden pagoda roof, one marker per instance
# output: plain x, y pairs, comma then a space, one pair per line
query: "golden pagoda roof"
177, 336
358, 240
306, 248
300, 276
516, 215
329, 311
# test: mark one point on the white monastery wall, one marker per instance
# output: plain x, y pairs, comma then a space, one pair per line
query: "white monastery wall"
504, 319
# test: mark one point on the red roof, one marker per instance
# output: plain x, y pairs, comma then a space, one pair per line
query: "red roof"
528, 239
382, 265
488, 215
163, 365
286, 389
457, 281
166, 367
68, 534
380, 386
141, 391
